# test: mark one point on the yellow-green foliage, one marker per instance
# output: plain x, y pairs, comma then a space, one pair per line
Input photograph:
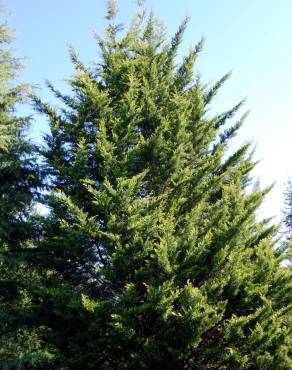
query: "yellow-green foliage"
151, 256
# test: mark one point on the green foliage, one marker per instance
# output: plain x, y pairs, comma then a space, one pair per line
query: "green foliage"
151, 255
19, 180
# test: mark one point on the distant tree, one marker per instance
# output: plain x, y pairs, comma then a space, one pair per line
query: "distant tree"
288, 207
151, 256
19, 180
287, 221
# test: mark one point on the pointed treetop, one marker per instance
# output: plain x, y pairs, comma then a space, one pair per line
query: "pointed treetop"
112, 10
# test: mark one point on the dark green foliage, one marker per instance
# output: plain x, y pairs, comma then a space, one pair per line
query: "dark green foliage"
151, 256
19, 181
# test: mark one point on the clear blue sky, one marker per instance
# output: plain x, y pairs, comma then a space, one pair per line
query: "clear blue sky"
253, 38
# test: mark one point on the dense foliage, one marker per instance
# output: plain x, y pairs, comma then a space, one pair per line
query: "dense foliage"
151, 255
19, 183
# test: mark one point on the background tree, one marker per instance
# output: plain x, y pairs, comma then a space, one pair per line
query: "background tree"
288, 206
151, 255
287, 221
19, 181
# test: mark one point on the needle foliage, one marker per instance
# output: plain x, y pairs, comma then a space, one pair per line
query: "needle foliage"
151, 255
19, 187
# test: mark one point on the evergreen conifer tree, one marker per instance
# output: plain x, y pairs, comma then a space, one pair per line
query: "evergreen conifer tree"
19, 181
288, 207
151, 256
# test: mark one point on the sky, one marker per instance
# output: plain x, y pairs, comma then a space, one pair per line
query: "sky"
251, 38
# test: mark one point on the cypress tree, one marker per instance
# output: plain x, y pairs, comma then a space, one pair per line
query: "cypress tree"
152, 256
19, 183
